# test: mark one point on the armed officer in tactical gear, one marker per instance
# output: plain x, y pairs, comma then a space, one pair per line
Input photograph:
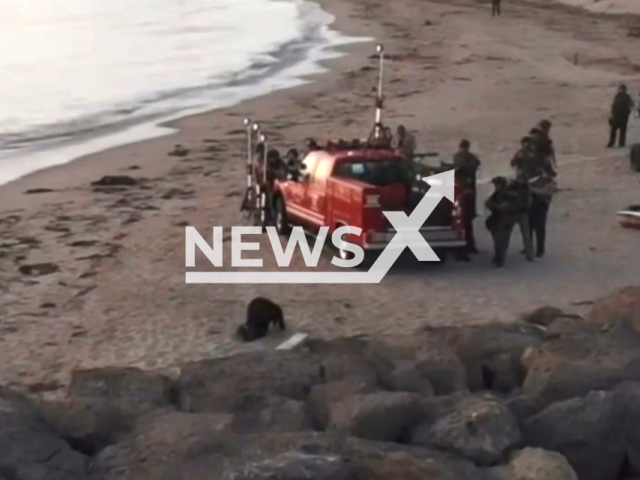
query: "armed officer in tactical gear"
542, 189
466, 165
524, 160
544, 146
509, 205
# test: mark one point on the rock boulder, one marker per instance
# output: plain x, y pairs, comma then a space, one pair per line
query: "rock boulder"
575, 364
590, 432
381, 416
271, 414
537, 464
479, 428
621, 305
29, 449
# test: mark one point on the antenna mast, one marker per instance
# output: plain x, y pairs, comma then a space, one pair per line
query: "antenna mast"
247, 124
377, 136
378, 123
263, 196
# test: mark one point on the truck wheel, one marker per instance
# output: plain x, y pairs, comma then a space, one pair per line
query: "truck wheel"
370, 258
443, 255
281, 221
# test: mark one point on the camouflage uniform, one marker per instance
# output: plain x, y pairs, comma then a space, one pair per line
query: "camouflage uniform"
509, 205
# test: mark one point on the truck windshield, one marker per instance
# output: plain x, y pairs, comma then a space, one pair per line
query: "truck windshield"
378, 173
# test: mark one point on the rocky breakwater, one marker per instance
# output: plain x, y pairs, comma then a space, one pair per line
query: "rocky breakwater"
553, 396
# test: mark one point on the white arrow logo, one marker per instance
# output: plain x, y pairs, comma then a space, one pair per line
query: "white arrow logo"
407, 236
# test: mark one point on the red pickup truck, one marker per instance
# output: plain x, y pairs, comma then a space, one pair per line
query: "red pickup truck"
352, 187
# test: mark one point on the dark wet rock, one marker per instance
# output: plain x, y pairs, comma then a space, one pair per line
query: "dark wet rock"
434, 360
29, 449
342, 359
544, 316
491, 353
57, 228
407, 379
270, 414
38, 269
589, 431
120, 203
179, 151
563, 327
177, 193
212, 453
90, 424
48, 305
621, 305
479, 428
629, 394
380, 416
83, 243
161, 437
38, 190
444, 370
132, 218
126, 384
323, 396
215, 148
217, 385
134, 167
536, 464
29, 241
146, 206
633, 32
105, 251
116, 181
297, 466
575, 364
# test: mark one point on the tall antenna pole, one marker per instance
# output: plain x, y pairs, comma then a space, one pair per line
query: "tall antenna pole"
263, 197
378, 124
256, 184
247, 124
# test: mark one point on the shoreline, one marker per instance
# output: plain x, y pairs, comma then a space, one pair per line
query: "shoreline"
296, 75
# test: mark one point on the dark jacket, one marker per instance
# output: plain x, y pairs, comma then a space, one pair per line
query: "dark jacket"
531, 162
466, 165
621, 107
514, 199
507, 205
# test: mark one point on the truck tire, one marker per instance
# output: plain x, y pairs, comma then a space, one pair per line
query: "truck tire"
368, 260
442, 254
283, 227
634, 157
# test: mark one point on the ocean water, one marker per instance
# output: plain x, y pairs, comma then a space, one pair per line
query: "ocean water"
80, 76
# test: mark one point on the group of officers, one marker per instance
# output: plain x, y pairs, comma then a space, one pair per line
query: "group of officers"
523, 200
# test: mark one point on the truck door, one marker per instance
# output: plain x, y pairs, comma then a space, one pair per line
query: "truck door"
299, 207
317, 192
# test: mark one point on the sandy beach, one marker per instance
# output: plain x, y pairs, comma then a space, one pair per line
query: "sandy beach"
114, 292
